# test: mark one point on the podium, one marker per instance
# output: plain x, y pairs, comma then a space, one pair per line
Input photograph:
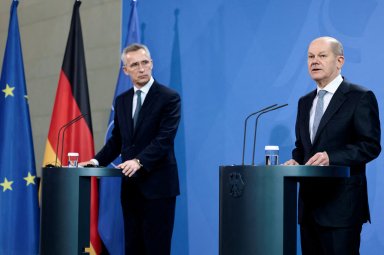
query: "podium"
65, 211
258, 207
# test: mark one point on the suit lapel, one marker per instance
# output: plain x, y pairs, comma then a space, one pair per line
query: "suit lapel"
336, 102
127, 105
307, 106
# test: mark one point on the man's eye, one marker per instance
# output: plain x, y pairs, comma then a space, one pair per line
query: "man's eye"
134, 65
145, 62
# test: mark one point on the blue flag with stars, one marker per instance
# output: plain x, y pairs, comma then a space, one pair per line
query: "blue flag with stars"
19, 211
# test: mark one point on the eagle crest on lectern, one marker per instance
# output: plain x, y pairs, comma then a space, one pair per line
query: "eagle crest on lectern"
236, 184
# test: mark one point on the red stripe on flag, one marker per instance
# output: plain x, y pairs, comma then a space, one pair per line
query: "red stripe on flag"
78, 137
95, 238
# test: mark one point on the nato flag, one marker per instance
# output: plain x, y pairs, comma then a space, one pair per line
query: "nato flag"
111, 225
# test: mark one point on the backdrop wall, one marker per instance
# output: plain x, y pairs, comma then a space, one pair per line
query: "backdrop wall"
234, 57
227, 59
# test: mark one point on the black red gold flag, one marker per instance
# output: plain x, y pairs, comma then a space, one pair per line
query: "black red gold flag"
72, 100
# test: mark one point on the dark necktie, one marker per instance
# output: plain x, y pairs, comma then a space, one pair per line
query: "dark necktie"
318, 112
138, 108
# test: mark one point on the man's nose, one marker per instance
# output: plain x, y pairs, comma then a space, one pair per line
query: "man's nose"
141, 67
314, 61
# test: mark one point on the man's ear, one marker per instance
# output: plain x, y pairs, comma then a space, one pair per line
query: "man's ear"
125, 70
340, 62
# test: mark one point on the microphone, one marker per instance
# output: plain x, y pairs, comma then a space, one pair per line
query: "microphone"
63, 128
257, 119
245, 127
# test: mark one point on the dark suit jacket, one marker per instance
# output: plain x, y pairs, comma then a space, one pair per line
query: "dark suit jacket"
349, 132
152, 141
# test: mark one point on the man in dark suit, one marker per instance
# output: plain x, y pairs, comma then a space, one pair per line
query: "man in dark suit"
146, 121
337, 124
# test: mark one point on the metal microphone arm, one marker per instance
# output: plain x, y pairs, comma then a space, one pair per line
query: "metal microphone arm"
62, 128
254, 136
245, 127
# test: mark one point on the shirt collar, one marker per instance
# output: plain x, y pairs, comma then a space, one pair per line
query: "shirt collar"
146, 87
333, 85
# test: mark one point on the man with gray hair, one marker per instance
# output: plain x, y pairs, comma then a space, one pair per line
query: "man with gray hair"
146, 121
337, 124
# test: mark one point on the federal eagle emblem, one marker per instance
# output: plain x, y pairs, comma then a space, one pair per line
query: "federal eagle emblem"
237, 184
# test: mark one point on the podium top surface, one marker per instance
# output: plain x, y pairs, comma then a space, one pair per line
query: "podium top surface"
84, 171
291, 171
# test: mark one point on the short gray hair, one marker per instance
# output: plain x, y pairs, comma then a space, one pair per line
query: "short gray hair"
336, 46
134, 47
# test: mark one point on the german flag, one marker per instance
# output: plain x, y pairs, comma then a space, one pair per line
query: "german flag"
72, 100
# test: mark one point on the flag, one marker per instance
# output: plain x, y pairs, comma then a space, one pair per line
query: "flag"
181, 228
111, 224
19, 211
72, 100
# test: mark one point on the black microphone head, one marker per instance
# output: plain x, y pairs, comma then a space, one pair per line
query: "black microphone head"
273, 108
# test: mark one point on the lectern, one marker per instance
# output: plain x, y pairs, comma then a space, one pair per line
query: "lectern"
258, 207
65, 210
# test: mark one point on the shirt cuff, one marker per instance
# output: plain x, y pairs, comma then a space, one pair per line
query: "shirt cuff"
95, 162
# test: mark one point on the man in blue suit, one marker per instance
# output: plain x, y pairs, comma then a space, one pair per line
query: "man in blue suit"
337, 124
146, 121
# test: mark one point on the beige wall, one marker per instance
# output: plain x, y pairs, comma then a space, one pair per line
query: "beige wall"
44, 27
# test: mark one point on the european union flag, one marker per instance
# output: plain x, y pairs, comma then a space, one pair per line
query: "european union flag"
19, 211
111, 225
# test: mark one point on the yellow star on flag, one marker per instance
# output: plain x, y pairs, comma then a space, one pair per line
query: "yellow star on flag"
8, 90
6, 184
30, 179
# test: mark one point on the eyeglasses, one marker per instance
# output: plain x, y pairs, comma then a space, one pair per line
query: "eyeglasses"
137, 65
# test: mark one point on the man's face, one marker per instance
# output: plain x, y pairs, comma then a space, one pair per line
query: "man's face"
323, 64
139, 67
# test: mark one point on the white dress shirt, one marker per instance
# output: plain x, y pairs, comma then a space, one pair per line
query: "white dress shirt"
331, 89
144, 92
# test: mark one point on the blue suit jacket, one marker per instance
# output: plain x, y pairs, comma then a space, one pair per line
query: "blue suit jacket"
152, 141
349, 132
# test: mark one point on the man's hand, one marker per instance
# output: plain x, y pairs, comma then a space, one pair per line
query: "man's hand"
291, 162
129, 167
319, 159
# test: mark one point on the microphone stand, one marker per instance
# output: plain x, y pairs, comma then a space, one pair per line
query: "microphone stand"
245, 127
257, 119
62, 142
